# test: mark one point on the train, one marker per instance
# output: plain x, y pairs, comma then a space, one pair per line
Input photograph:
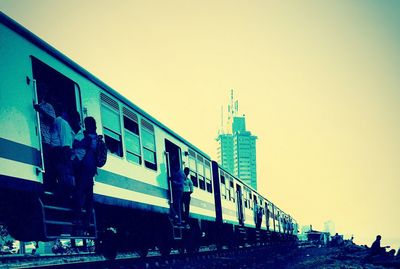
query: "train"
132, 191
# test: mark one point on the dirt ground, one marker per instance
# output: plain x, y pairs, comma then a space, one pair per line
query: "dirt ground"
349, 257
306, 257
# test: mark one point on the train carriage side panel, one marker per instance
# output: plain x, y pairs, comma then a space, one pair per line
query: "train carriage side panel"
227, 197
229, 203
249, 208
19, 140
217, 192
202, 203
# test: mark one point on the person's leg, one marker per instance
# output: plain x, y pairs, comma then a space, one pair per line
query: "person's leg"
88, 204
188, 206
185, 206
173, 206
179, 205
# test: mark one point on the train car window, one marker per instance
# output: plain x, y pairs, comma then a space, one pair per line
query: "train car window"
207, 172
193, 177
192, 167
223, 188
245, 196
149, 145
131, 137
228, 189
200, 172
110, 119
250, 200
222, 178
231, 190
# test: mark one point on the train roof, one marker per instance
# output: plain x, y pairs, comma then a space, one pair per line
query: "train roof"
15, 26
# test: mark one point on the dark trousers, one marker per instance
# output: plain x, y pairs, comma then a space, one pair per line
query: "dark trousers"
83, 196
176, 207
186, 205
49, 177
63, 170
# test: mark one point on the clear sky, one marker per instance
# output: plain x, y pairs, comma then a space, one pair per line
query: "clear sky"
319, 82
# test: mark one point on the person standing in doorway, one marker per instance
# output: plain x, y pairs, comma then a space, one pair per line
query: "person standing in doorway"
65, 136
47, 116
187, 191
178, 178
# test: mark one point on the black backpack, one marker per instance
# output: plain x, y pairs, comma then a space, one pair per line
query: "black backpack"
101, 152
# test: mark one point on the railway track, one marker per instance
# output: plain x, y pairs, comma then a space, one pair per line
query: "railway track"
132, 260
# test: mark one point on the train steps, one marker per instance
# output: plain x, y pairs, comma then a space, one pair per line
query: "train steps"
241, 233
178, 230
258, 237
62, 222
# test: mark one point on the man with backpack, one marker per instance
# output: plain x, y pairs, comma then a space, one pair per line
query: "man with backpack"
86, 169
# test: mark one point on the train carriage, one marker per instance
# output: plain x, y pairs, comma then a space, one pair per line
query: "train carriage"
142, 151
132, 191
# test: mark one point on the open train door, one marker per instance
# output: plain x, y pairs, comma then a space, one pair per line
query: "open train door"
174, 161
59, 219
63, 95
267, 215
239, 204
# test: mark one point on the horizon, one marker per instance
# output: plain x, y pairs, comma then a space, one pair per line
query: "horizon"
318, 83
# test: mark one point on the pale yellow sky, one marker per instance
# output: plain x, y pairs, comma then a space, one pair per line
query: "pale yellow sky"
318, 82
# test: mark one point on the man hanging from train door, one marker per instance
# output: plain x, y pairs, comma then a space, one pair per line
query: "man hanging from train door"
178, 178
187, 191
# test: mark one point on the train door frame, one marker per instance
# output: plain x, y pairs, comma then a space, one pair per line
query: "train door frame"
267, 215
64, 93
239, 204
273, 217
173, 155
255, 208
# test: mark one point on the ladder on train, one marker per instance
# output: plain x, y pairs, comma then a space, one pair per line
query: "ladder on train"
61, 221
257, 236
241, 234
177, 230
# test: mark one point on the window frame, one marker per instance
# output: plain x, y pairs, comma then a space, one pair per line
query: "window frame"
223, 187
200, 174
146, 126
109, 103
208, 181
193, 172
232, 190
125, 113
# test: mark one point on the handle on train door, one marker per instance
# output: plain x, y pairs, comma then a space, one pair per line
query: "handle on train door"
40, 169
169, 176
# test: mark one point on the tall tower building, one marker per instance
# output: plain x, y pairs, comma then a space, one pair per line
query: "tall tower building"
225, 151
237, 147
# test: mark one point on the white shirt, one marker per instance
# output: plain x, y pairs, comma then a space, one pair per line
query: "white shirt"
188, 185
63, 132
78, 153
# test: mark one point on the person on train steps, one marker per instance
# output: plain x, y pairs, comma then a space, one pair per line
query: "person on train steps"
187, 191
178, 178
86, 170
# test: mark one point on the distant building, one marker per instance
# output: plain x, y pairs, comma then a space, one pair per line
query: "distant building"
329, 227
225, 151
237, 147
305, 229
